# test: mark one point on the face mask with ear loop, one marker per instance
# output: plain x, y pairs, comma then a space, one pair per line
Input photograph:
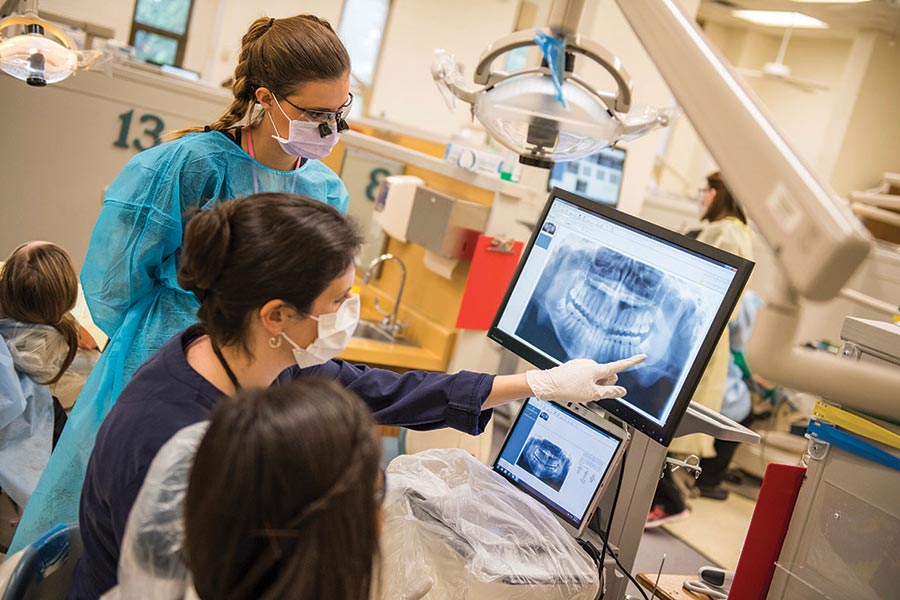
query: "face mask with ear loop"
305, 138
334, 333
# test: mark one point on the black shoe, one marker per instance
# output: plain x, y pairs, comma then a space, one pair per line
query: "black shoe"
715, 492
734, 476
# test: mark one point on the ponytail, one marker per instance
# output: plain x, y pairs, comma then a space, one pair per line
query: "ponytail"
278, 54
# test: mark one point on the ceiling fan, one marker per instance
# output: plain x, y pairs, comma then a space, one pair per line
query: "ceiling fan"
778, 71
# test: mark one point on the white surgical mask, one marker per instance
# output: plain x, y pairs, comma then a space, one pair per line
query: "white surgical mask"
334, 333
304, 139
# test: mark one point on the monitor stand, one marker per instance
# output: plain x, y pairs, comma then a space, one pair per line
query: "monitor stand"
643, 464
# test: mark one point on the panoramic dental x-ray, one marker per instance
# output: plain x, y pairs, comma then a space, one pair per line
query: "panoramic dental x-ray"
598, 303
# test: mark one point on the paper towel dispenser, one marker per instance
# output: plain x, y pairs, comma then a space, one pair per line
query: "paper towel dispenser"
394, 204
446, 225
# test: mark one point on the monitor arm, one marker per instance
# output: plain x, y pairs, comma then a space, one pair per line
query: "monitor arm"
817, 241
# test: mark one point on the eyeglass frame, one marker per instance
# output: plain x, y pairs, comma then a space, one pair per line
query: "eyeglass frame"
317, 115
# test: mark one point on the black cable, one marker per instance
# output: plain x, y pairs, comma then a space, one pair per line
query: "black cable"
605, 537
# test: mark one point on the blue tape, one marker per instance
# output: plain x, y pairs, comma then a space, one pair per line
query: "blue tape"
830, 434
554, 49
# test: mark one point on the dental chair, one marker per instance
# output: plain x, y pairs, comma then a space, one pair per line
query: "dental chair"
43, 570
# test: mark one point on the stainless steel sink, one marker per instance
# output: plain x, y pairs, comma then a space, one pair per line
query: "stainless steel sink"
370, 330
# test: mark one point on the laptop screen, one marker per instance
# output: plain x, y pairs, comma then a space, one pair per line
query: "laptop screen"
557, 457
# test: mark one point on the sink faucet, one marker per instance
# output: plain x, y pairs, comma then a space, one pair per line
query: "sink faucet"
389, 323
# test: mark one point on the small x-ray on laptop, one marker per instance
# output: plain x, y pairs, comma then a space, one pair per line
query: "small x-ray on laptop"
562, 456
598, 283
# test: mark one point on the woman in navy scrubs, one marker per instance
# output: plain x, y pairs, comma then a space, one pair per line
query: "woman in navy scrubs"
273, 274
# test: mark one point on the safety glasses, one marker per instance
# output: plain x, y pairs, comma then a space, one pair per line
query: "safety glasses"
323, 116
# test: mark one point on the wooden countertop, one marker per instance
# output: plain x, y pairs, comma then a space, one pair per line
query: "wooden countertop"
435, 342
361, 350
670, 586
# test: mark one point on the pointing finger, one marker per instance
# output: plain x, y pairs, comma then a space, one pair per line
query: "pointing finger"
626, 363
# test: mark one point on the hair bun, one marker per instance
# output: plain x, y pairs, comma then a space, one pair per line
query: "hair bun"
206, 240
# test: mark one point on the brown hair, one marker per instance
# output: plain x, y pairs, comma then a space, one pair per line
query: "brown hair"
243, 253
724, 204
38, 285
279, 54
281, 501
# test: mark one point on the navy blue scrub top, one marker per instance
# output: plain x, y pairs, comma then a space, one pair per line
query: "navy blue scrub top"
166, 395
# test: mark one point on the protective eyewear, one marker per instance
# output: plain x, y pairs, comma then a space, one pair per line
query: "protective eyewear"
323, 117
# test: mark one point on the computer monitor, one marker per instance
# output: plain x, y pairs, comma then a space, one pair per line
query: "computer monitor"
597, 177
598, 283
563, 457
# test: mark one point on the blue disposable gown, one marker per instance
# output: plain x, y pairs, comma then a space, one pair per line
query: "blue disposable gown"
129, 280
29, 354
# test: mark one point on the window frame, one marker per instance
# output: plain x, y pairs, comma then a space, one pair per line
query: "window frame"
180, 38
364, 90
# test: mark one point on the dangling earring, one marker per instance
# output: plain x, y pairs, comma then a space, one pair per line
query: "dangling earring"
275, 341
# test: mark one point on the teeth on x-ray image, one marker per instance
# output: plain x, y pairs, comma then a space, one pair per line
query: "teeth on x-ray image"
546, 461
598, 303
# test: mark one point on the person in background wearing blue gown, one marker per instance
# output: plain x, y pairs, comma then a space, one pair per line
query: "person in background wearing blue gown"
273, 273
38, 342
291, 89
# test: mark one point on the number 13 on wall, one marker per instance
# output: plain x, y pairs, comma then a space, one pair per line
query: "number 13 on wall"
152, 132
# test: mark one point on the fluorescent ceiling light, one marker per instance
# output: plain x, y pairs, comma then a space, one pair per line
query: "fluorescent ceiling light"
775, 18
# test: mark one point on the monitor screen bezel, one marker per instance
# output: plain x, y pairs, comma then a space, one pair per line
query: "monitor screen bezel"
620, 435
661, 434
551, 187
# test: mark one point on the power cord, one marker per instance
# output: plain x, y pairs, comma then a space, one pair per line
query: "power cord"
592, 551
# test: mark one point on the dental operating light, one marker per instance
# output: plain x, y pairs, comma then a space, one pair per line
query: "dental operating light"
547, 114
43, 54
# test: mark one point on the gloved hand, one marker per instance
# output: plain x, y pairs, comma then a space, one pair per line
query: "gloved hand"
580, 380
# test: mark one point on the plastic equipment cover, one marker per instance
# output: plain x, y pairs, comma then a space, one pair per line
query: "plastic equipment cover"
151, 565
454, 529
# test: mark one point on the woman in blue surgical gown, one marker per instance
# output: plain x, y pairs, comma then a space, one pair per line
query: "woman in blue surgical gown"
291, 88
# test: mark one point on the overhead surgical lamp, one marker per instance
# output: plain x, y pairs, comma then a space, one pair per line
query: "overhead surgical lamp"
547, 114
43, 54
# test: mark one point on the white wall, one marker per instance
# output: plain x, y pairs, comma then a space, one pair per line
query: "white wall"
847, 135
117, 16
403, 91
604, 23
802, 117
65, 155
216, 28
872, 142
233, 17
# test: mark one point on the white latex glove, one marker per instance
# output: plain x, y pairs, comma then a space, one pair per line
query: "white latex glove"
580, 380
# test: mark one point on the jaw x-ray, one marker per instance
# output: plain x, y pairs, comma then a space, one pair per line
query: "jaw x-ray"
546, 461
597, 303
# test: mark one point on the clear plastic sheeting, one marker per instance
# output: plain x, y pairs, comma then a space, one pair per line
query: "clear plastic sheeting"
642, 119
151, 564
446, 75
525, 115
29, 354
454, 529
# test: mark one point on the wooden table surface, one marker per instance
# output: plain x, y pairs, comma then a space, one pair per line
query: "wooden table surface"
670, 586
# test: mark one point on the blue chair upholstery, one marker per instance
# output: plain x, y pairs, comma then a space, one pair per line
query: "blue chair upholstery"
45, 568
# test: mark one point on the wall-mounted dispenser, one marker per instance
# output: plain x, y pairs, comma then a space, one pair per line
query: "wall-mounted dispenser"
445, 225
